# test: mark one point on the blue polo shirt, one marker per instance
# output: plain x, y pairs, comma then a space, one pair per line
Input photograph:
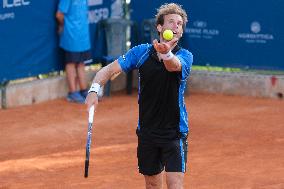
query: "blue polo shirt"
162, 111
75, 36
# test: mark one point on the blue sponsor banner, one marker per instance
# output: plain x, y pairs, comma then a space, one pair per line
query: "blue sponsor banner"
28, 38
238, 33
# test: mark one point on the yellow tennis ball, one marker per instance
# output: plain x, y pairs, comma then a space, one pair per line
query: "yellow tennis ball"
168, 35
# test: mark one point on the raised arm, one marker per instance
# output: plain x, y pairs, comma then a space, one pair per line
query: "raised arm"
100, 79
171, 62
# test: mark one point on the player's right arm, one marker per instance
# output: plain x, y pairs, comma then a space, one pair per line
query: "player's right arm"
124, 63
101, 78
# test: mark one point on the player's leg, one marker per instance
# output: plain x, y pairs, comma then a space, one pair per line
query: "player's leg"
174, 180
154, 181
174, 158
149, 163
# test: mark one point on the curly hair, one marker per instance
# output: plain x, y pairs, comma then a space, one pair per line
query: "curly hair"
170, 8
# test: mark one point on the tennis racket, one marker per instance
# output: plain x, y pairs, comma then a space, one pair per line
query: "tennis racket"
89, 139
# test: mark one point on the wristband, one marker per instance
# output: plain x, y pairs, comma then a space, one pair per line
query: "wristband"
95, 87
167, 56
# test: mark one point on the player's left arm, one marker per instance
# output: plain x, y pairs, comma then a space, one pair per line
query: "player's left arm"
173, 65
171, 62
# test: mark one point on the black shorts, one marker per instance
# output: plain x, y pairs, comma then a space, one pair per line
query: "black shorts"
154, 157
78, 57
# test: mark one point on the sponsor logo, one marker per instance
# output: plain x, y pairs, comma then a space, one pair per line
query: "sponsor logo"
256, 36
11, 5
6, 16
15, 3
200, 24
200, 29
255, 27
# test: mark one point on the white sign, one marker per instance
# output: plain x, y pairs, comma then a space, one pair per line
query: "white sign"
10, 5
255, 36
15, 3
200, 30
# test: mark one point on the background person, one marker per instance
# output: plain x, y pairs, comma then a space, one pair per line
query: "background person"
163, 122
72, 16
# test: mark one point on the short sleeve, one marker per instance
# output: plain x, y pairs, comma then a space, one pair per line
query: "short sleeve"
64, 5
134, 57
186, 59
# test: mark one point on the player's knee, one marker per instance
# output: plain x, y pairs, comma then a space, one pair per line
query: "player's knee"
153, 182
153, 185
175, 180
175, 186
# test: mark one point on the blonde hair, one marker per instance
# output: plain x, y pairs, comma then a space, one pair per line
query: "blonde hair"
170, 8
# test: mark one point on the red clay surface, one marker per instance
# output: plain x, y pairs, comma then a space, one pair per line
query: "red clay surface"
235, 143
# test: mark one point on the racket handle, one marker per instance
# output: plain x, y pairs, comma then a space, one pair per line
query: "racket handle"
91, 114
86, 168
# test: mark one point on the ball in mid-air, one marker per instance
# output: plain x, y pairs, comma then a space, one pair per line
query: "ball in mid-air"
168, 35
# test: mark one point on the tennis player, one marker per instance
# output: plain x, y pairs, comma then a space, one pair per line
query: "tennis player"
163, 121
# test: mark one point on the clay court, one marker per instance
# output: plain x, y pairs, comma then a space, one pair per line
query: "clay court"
235, 143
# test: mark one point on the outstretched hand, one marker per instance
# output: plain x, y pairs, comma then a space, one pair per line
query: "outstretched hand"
164, 47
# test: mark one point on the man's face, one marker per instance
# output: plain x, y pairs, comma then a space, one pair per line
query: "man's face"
173, 22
